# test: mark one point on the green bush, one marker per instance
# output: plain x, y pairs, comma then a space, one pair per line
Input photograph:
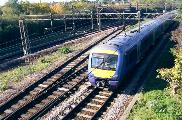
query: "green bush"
65, 50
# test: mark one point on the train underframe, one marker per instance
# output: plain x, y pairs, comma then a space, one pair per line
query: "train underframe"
104, 82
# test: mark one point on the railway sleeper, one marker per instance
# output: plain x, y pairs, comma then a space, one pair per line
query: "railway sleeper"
94, 105
52, 97
58, 93
52, 79
34, 93
39, 105
71, 83
76, 80
33, 110
8, 111
100, 96
104, 93
67, 86
80, 115
22, 102
89, 110
63, 89
38, 89
47, 82
87, 113
56, 77
2, 116
25, 117
98, 100
45, 101
42, 85
15, 106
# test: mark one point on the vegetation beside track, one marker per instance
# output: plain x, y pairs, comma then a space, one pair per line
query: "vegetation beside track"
161, 98
15, 75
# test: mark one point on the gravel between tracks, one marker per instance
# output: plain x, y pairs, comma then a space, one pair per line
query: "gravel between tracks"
78, 44
120, 103
68, 104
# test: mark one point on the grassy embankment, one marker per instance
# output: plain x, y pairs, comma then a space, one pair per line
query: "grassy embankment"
17, 74
156, 101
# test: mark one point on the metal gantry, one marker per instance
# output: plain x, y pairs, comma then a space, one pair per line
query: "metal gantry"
24, 37
97, 15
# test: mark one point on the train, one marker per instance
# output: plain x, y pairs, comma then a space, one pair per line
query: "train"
112, 60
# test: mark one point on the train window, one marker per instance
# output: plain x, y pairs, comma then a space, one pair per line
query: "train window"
104, 61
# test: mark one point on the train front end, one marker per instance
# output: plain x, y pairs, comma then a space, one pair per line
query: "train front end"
102, 68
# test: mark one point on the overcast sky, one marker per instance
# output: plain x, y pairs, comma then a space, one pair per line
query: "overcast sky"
4, 1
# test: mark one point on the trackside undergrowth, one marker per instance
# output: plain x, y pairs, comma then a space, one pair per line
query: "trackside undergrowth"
15, 75
156, 101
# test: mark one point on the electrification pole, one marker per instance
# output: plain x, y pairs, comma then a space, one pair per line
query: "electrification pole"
73, 18
24, 37
92, 21
65, 23
138, 14
51, 22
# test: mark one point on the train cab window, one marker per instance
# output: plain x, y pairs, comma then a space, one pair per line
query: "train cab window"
104, 61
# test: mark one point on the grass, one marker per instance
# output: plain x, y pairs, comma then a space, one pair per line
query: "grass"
17, 74
156, 101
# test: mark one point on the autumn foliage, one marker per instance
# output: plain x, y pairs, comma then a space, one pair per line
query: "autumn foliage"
174, 74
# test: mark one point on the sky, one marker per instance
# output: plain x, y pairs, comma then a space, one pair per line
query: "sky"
32, 1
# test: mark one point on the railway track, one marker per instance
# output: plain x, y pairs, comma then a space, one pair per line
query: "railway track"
40, 43
40, 96
91, 106
44, 87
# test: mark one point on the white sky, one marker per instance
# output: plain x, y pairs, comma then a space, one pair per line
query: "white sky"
33, 1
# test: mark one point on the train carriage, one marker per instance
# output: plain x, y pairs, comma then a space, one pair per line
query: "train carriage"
112, 60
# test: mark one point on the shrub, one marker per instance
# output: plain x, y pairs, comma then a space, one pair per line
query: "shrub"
65, 50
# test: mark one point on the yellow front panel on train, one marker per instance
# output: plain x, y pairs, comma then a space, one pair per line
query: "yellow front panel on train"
102, 73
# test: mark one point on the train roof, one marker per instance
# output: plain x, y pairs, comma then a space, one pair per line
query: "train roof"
129, 39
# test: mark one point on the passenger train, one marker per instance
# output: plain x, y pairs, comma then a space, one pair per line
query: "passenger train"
111, 61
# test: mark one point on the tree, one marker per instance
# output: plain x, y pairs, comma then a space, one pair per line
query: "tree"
173, 75
11, 8
39, 8
57, 8
25, 7
1, 12
12, 1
